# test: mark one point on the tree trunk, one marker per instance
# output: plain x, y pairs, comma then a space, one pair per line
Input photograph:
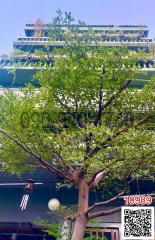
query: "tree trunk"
81, 219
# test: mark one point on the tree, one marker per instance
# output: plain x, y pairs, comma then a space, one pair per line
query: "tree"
152, 49
84, 123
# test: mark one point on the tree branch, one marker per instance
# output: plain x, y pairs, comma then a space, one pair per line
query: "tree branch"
105, 143
113, 97
98, 117
29, 151
108, 212
120, 194
69, 170
108, 201
97, 178
103, 213
55, 154
81, 124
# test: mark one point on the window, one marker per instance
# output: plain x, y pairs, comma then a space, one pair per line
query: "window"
102, 233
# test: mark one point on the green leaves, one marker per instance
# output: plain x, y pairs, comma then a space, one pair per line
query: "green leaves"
84, 114
52, 229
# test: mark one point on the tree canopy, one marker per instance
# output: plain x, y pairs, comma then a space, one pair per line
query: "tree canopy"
84, 115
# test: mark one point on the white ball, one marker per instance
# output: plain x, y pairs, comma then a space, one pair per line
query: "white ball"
54, 204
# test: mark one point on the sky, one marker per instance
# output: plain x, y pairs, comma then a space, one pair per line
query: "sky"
14, 14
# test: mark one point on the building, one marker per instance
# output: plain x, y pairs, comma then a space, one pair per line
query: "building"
18, 69
37, 36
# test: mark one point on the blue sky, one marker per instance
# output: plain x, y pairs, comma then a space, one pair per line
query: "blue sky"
14, 14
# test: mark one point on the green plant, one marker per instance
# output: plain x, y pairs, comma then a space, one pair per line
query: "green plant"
52, 229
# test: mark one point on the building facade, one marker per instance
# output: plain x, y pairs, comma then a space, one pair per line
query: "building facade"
19, 68
37, 36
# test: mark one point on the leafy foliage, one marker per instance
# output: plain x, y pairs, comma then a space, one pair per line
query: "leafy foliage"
52, 229
60, 117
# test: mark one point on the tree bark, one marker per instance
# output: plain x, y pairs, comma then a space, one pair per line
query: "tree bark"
81, 219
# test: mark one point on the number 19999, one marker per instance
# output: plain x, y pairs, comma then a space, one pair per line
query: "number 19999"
138, 200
